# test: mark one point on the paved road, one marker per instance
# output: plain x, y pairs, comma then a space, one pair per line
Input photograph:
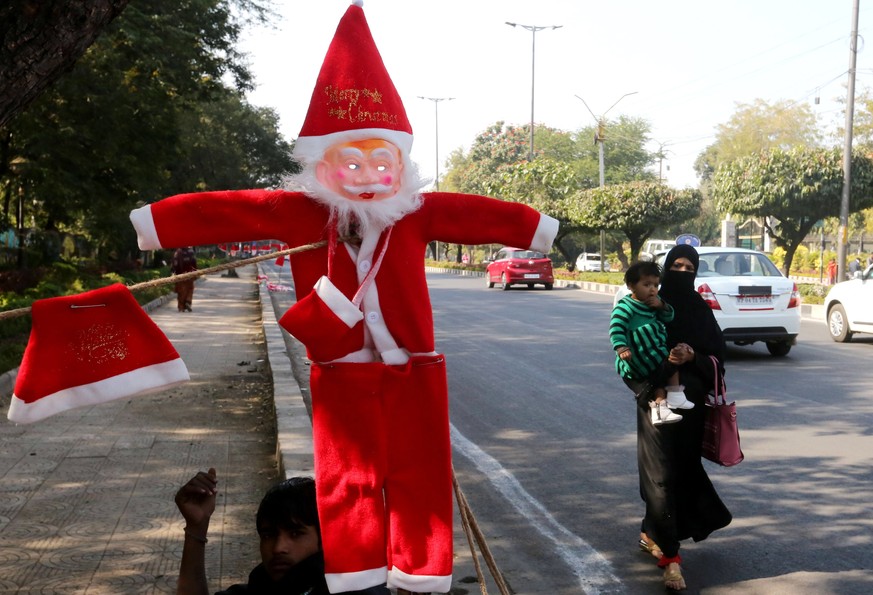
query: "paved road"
546, 445
86, 496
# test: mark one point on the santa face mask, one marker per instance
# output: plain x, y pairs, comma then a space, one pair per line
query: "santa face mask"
364, 170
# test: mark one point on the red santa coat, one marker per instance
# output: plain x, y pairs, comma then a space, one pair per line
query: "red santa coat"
386, 386
294, 218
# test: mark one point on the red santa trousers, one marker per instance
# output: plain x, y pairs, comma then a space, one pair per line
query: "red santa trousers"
383, 474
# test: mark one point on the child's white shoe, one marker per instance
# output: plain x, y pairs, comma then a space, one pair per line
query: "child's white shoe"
661, 414
676, 398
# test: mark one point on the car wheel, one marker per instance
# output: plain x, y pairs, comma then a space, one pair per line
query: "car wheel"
503, 282
778, 348
838, 324
488, 282
548, 285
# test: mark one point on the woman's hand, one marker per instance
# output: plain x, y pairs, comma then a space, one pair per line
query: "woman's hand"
681, 354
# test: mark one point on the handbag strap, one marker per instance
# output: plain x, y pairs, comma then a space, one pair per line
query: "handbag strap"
716, 377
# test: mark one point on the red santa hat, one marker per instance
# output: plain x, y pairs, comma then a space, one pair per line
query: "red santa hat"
88, 349
354, 98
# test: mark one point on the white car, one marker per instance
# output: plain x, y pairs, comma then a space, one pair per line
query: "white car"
751, 299
589, 261
849, 307
652, 248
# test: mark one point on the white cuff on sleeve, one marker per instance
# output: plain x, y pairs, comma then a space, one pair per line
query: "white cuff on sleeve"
338, 303
545, 234
144, 224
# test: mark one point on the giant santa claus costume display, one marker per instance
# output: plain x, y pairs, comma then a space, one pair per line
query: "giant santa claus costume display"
378, 385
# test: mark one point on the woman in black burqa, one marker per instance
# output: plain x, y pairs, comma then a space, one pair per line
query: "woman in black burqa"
681, 502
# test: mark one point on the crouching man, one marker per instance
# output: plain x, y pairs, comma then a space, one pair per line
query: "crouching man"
287, 523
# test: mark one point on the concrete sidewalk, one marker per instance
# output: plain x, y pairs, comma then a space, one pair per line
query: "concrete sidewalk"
86, 496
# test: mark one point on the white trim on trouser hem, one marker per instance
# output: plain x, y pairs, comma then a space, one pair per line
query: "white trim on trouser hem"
419, 583
340, 582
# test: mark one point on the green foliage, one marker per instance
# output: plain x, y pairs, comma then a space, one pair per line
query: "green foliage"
153, 108
812, 293
635, 209
757, 127
791, 190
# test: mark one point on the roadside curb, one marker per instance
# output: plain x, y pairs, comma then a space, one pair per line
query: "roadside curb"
294, 450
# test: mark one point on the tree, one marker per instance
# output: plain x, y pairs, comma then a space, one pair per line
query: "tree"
145, 107
791, 190
40, 40
759, 126
635, 209
565, 163
546, 185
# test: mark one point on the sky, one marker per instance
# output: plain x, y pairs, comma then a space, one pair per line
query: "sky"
682, 65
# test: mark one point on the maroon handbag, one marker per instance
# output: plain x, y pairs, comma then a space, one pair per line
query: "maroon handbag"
721, 436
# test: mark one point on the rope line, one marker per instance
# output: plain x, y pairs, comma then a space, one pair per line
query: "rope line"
8, 314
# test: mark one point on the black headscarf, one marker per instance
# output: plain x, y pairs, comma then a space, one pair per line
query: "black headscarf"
693, 322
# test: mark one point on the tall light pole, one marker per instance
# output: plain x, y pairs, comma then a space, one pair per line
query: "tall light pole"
598, 138
661, 154
436, 115
533, 53
847, 148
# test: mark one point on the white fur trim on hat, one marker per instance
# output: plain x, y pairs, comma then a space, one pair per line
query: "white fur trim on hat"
136, 382
312, 148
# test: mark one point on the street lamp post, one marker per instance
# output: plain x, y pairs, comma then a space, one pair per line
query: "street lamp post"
436, 115
598, 138
533, 52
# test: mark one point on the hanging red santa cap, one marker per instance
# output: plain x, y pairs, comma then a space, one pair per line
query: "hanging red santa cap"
91, 348
354, 98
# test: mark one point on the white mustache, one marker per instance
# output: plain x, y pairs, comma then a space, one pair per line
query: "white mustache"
375, 188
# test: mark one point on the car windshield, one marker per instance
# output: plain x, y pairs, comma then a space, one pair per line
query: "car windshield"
736, 264
527, 254
592, 257
732, 264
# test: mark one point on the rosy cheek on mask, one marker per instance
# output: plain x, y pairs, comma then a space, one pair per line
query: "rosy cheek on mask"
388, 180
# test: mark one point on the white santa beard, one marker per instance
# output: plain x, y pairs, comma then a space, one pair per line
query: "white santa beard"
370, 215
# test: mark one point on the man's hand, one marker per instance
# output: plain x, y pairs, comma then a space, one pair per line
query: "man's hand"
196, 502
196, 499
625, 354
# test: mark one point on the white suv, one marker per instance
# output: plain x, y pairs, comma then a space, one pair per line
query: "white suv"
589, 261
849, 307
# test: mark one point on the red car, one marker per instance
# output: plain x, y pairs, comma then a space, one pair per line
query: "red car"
514, 266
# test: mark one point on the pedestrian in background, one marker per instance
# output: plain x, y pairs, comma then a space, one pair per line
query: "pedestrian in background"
832, 271
184, 261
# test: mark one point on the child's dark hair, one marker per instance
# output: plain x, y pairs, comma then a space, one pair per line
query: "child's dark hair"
289, 504
640, 269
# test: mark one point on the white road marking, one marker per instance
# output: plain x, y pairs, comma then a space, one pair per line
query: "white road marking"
594, 571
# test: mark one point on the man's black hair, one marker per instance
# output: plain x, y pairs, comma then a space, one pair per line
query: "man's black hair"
640, 269
289, 504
